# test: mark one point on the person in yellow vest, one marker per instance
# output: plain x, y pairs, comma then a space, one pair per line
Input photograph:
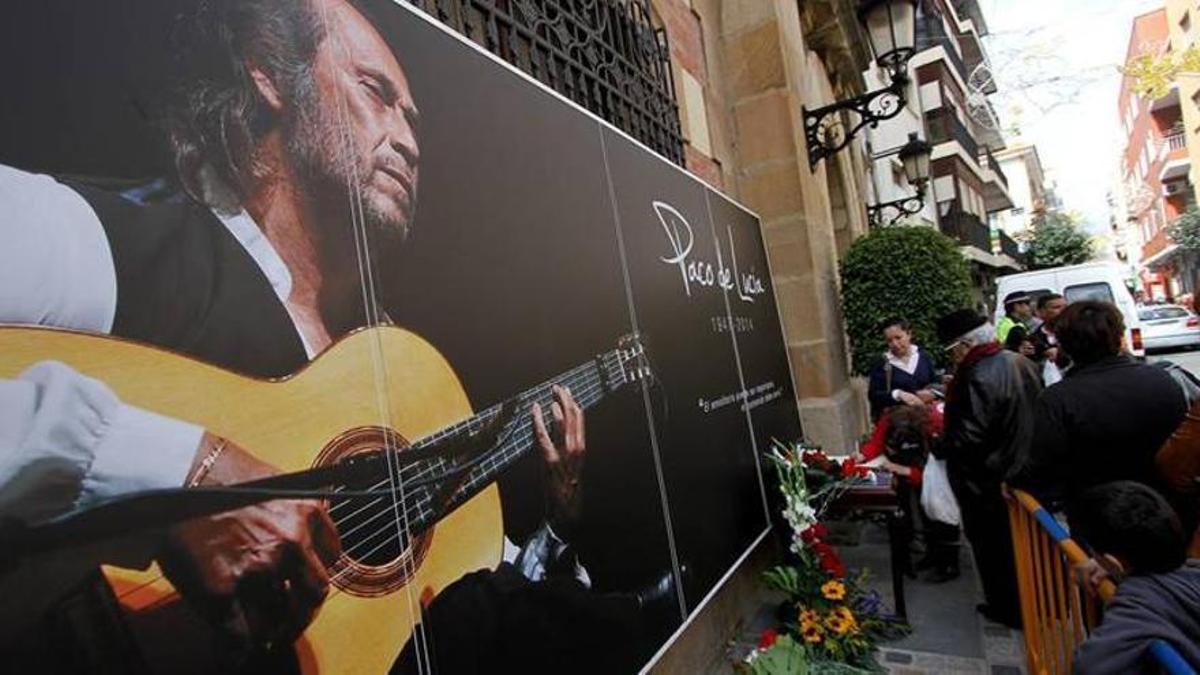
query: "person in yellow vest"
1012, 331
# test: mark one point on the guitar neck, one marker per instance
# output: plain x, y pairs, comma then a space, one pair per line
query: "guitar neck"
512, 424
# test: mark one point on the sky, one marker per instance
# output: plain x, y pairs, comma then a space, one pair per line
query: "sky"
1055, 65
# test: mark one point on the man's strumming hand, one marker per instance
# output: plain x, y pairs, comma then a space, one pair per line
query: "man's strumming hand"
257, 573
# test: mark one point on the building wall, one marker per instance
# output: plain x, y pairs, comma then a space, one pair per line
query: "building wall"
1183, 26
749, 66
1026, 185
1148, 153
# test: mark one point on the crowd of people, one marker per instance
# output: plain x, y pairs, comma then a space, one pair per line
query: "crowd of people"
1049, 400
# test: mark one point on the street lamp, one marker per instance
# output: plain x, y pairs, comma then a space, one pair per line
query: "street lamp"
890, 26
914, 155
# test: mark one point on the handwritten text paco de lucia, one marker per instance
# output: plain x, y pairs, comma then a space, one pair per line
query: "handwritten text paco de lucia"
702, 272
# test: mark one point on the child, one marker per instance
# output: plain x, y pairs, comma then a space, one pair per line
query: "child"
903, 437
1136, 534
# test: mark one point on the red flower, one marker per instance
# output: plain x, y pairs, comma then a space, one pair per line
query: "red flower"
828, 559
851, 469
814, 533
768, 638
833, 565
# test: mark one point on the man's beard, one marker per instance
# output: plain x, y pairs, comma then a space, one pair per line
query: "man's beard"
336, 175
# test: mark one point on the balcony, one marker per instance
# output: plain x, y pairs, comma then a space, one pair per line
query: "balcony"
1176, 163
1008, 246
931, 33
995, 167
944, 126
967, 230
995, 183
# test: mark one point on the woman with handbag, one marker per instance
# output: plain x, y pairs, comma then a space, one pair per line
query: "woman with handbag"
905, 374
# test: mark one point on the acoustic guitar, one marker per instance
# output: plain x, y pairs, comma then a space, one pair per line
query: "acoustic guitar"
380, 388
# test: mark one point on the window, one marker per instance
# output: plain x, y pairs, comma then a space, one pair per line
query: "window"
1037, 293
1099, 291
1168, 312
609, 57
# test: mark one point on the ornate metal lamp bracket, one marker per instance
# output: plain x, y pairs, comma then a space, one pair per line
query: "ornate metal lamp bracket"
826, 130
908, 206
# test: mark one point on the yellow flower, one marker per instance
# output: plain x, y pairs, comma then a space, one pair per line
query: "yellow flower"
833, 590
809, 617
841, 621
812, 633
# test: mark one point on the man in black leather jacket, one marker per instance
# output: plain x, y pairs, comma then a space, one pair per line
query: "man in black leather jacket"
989, 429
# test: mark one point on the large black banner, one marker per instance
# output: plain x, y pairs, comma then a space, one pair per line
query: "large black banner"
282, 235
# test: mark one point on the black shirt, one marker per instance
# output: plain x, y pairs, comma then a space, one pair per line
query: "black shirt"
1104, 422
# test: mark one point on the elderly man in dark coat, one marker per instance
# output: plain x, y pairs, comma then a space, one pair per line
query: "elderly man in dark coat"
989, 426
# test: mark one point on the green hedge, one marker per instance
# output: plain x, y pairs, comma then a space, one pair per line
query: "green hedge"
912, 272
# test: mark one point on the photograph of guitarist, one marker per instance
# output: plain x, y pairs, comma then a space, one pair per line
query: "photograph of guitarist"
294, 134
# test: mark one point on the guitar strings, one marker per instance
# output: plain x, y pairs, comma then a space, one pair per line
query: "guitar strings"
388, 541
492, 411
371, 311
593, 383
524, 435
592, 386
521, 437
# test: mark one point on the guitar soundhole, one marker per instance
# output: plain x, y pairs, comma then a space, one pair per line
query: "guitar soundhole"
377, 555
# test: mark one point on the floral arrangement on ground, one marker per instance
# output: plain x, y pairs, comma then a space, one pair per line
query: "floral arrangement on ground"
832, 620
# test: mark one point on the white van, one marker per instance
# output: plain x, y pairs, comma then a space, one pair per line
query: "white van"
1091, 281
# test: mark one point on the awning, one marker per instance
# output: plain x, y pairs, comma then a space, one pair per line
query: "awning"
1160, 256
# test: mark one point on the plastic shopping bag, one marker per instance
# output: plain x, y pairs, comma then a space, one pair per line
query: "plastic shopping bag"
1050, 373
936, 496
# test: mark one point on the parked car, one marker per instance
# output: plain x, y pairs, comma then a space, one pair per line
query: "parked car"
1167, 326
1089, 281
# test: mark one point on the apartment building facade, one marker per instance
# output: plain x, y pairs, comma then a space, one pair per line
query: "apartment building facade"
951, 110
1022, 165
1156, 165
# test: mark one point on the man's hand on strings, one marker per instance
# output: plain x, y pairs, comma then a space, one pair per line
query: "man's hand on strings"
260, 572
563, 449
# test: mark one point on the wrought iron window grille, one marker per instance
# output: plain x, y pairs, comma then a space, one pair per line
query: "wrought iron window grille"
606, 55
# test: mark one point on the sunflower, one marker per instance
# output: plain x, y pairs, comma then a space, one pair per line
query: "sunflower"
841, 621
812, 633
833, 590
836, 625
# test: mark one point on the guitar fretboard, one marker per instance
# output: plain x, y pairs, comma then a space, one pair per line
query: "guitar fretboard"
514, 437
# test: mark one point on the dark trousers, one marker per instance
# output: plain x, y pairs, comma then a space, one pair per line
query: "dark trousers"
985, 519
940, 539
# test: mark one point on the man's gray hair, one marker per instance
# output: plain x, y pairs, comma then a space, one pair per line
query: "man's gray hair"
981, 335
214, 116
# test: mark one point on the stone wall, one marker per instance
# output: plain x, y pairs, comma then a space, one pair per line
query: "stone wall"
743, 69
